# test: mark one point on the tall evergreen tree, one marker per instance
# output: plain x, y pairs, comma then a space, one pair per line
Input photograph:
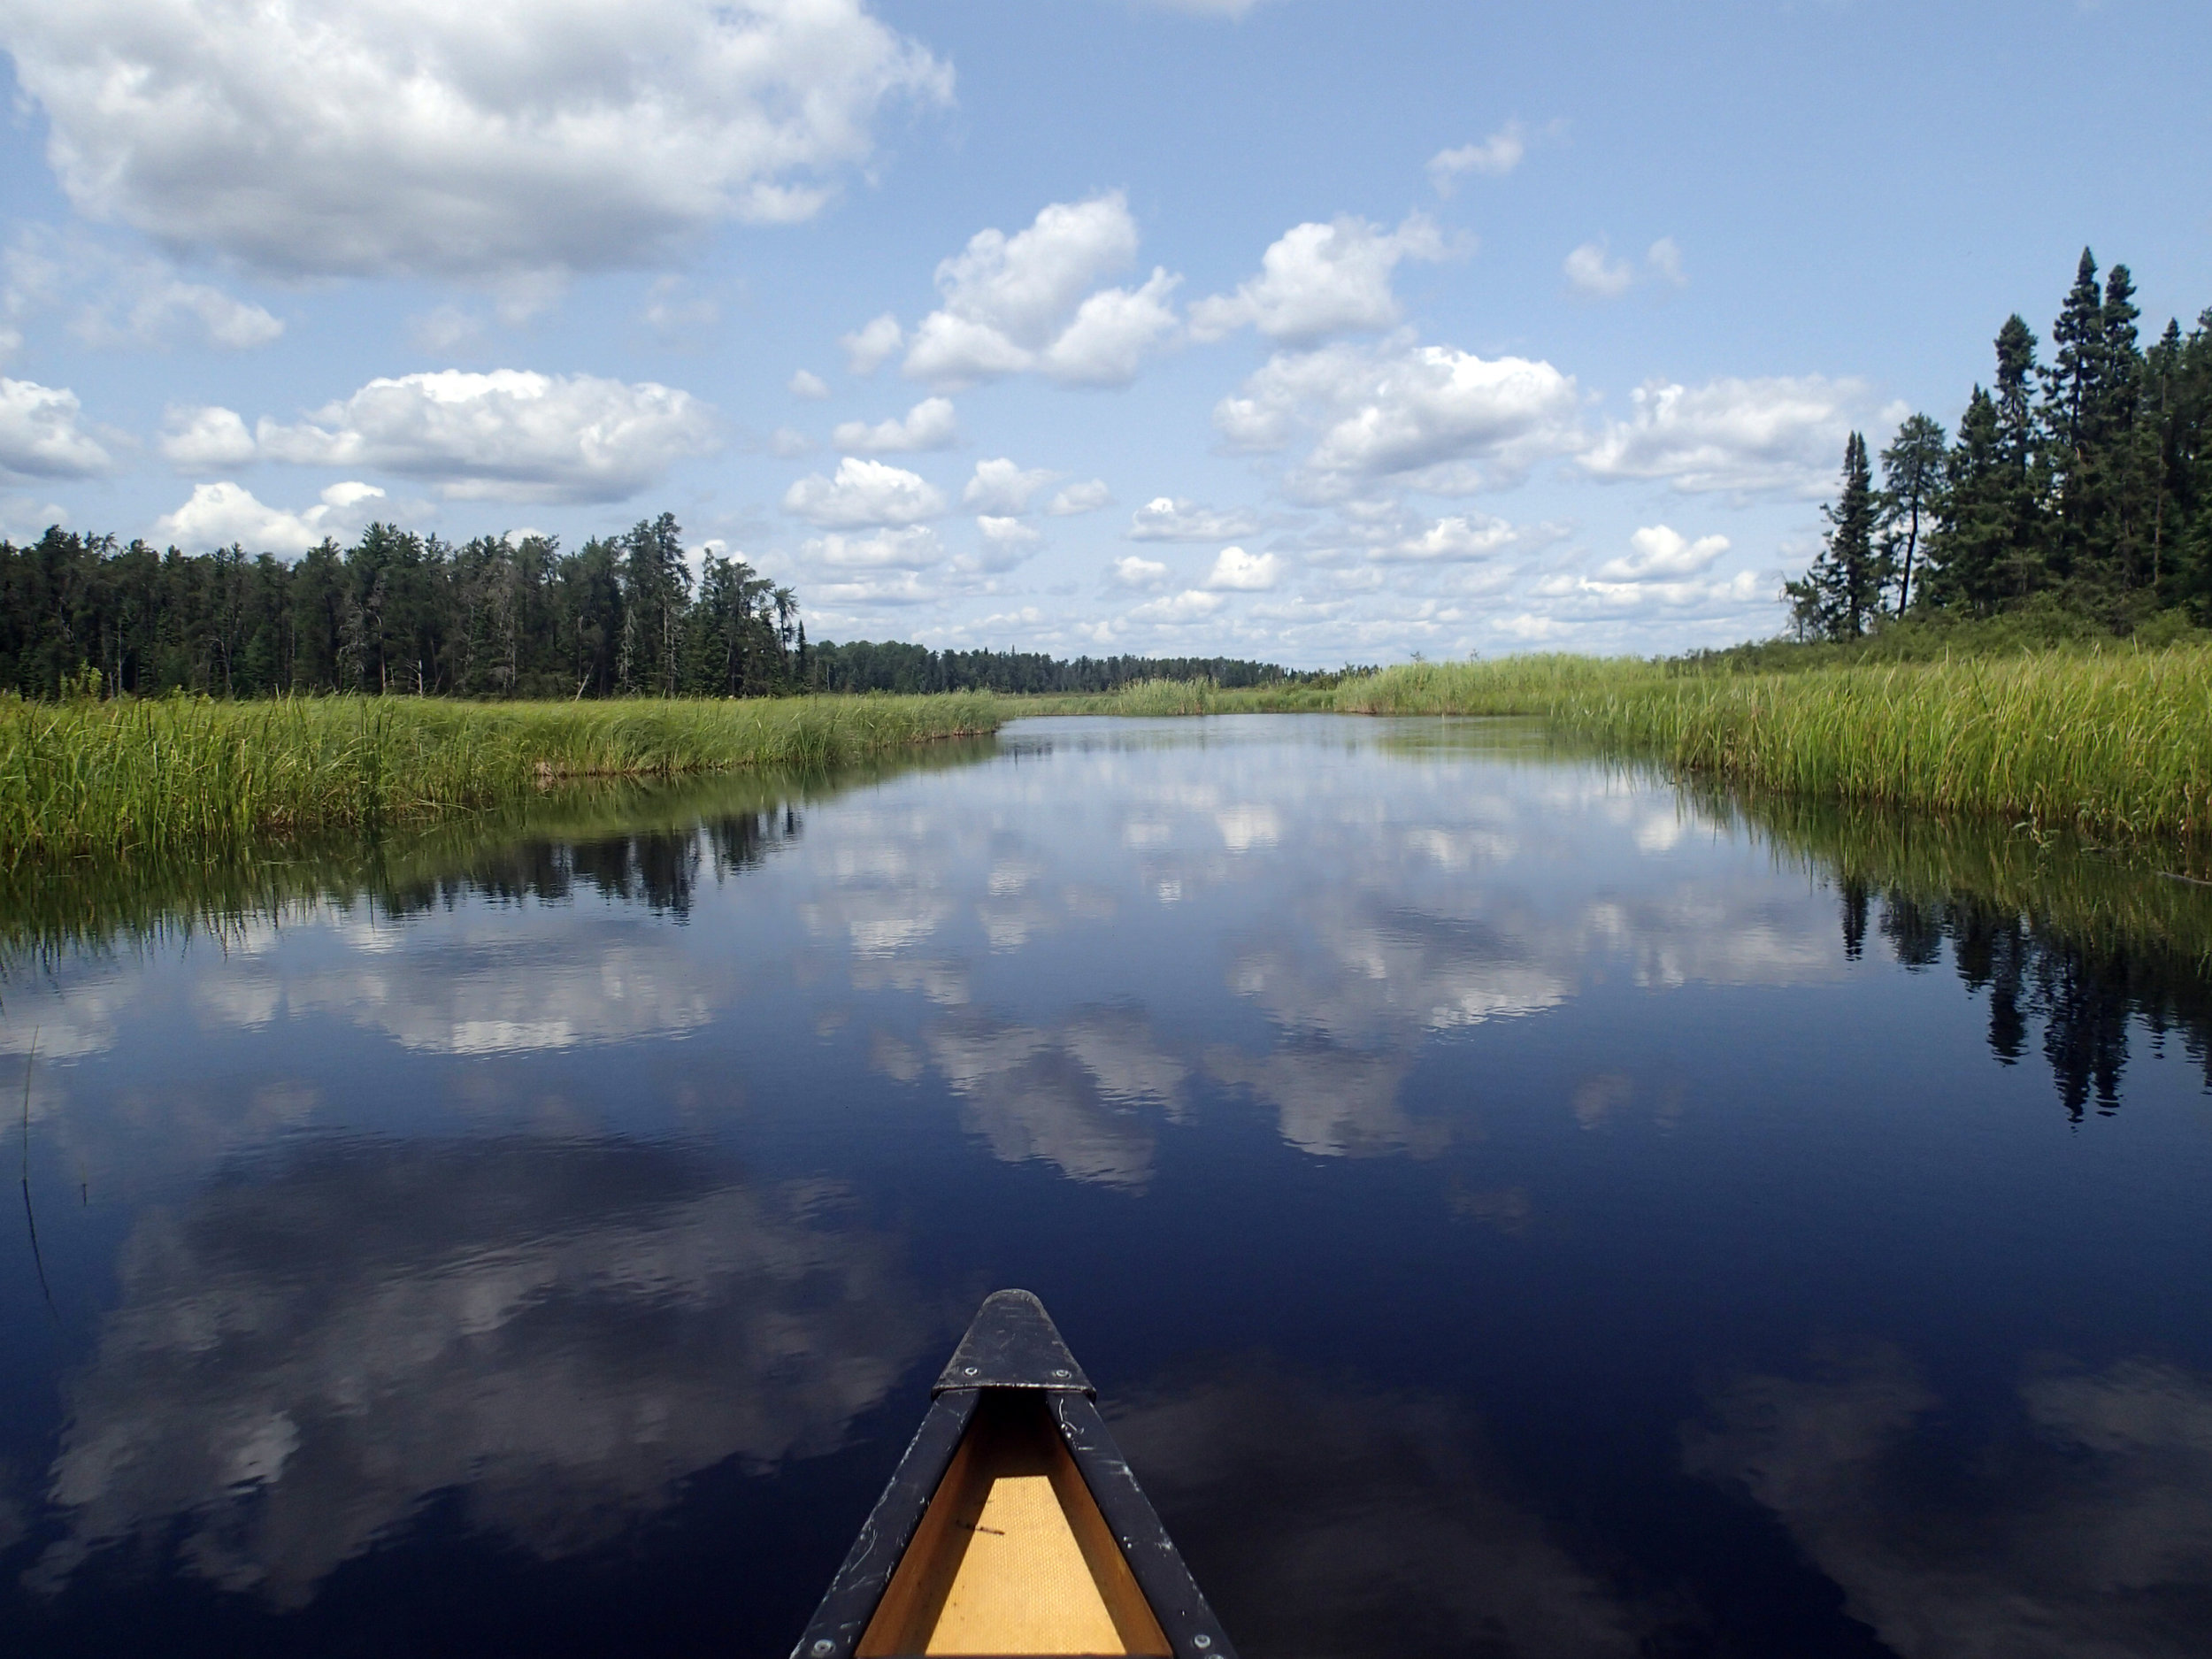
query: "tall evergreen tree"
2073, 383
2117, 464
1842, 592
1912, 491
2023, 460
1969, 554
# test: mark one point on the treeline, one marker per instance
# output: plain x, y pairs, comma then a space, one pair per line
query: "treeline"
2082, 482
865, 666
397, 612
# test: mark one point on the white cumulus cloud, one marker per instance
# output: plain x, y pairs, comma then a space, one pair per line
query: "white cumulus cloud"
1006, 542
217, 515
114, 299
1008, 533
1591, 271
1566, 597
1494, 156
1782, 435
380, 135
1113, 334
507, 435
929, 425
1193, 605
1087, 496
1236, 570
1169, 519
1321, 280
1444, 418
868, 346
1000, 486
1662, 554
807, 384
42, 434
864, 494
910, 547
1134, 572
1032, 301
200, 439
1460, 539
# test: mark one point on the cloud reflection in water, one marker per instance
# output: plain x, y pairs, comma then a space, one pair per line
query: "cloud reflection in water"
1332, 1519
560, 1333
2085, 1531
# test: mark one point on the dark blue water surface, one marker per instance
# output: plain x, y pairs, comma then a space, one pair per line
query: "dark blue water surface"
1508, 1206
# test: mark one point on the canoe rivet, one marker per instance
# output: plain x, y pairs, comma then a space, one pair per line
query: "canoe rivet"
1061, 1373
1201, 1640
825, 1645
968, 1371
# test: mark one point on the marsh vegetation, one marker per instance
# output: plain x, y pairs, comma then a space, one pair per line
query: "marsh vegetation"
166, 777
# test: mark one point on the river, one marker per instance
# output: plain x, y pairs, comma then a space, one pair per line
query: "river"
1508, 1204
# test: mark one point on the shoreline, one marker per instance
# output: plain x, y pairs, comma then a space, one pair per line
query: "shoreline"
177, 776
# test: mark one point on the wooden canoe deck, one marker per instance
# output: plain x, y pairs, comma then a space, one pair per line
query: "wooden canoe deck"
1013, 1528
1013, 1556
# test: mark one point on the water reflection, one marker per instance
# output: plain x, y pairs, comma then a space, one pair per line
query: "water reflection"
2083, 1525
513, 1182
1337, 1519
1081, 1098
630, 842
560, 1333
2089, 946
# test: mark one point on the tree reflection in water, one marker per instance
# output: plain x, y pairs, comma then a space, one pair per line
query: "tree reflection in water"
2089, 946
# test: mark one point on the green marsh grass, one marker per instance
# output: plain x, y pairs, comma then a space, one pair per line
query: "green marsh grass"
176, 776
2114, 744
49, 908
1152, 698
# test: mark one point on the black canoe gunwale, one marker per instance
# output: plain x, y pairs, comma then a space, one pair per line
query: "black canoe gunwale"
1012, 1343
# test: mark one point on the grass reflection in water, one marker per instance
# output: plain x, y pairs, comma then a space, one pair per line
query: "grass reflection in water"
644, 841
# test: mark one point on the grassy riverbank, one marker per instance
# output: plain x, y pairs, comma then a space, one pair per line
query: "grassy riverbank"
2115, 743
1158, 697
182, 775
630, 835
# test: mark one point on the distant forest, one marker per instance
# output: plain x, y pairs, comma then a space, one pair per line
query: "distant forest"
398, 612
863, 666
2083, 483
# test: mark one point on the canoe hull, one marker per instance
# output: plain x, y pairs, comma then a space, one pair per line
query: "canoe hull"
1078, 1556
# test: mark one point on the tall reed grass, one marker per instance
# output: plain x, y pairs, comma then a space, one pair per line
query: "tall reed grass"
1150, 698
2115, 743
185, 775
51, 907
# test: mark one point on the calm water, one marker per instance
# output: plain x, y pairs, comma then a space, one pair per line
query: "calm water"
1508, 1208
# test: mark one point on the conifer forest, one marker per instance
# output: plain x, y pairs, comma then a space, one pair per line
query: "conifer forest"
2080, 479
495, 616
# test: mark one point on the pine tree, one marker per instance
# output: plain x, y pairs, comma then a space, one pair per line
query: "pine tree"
2117, 468
1912, 489
656, 590
2023, 465
1842, 592
2071, 385
1968, 555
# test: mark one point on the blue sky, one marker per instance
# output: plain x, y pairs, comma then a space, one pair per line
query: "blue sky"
1305, 331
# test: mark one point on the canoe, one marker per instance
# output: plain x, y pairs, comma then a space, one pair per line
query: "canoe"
1012, 1525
